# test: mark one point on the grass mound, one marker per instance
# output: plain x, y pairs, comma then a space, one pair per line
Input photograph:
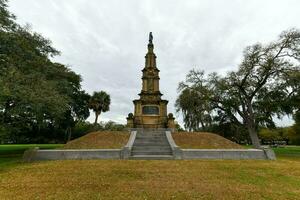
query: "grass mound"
99, 140
203, 140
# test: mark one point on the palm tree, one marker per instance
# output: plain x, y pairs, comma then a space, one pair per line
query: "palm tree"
99, 102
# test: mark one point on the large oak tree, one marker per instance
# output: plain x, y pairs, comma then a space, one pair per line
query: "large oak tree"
264, 85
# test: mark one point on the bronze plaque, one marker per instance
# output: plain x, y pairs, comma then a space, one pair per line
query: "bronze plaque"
150, 110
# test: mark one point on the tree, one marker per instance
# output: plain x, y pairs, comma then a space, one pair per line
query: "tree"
195, 110
258, 90
77, 112
99, 102
6, 18
294, 80
36, 94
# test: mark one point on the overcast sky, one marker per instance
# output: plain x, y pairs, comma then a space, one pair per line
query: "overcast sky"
105, 41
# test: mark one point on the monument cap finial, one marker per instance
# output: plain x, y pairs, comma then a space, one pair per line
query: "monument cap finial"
150, 38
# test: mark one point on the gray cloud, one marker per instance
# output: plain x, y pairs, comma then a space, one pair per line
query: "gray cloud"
105, 41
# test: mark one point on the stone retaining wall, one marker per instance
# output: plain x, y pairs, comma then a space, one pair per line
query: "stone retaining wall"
70, 154
80, 154
233, 154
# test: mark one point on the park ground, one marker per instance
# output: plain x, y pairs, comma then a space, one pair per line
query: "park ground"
138, 179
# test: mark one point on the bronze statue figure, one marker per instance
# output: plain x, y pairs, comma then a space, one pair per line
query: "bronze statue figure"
150, 37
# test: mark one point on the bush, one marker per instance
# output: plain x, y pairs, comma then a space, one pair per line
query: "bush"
287, 134
179, 128
83, 127
113, 126
231, 132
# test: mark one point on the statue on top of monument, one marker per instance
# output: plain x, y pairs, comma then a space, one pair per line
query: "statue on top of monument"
150, 37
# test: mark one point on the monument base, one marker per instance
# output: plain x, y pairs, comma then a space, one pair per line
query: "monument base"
127, 151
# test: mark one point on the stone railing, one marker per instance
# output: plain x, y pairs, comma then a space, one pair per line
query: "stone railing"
177, 152
126, 151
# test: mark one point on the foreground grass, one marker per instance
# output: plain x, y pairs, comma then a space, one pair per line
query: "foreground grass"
177, 179
129, 179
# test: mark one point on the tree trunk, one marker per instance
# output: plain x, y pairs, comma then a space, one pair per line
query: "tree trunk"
250, 122
69, 132
5, 111
203, 126
96, 118
253, 135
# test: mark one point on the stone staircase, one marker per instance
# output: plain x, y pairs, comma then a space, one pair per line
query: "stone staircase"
151, 144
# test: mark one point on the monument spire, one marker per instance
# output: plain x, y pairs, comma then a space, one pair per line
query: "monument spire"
150, 56
150, 38
150, 74
150, 111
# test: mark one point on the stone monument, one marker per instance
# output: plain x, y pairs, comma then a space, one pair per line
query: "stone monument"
150, 111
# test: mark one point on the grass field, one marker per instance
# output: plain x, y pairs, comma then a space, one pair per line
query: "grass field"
291, 152
117, 179
129, 179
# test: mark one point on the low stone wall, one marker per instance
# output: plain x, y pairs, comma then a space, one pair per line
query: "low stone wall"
80, 154
232, 154
71, 154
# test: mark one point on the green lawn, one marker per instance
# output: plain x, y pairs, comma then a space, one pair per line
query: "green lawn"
8, 149
288, 152
11, 154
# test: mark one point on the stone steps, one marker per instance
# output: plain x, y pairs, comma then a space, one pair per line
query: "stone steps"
151, 152
154, 142
146, 153
151, 141
151, 157
151, 145
149, 136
